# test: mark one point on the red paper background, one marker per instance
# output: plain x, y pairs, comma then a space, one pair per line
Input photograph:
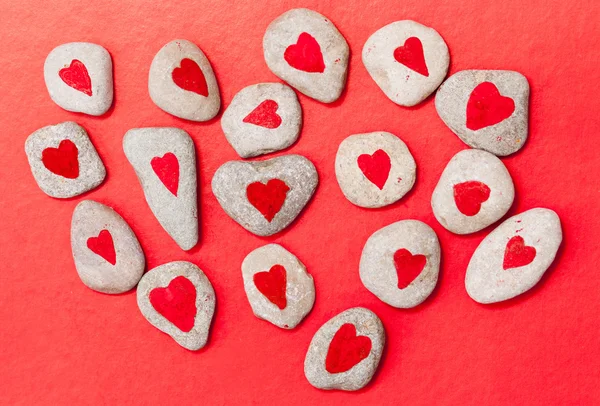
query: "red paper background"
63, 343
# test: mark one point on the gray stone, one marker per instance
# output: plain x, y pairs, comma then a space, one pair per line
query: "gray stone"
400, 263
107, 254
79, 77
474, 191
164, 160
487, 109
277, 286
63, 160
345, 352
262, 118
407, 60
182, 82
305, 49
514, 257
264, 197
178, 299
374, 169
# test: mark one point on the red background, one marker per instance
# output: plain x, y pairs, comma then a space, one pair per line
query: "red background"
62, 342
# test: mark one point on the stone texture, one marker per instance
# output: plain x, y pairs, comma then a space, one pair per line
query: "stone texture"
264, 197
277, 286
305, 49
487, 109
79, 77
262, 118
107, 254
178, 299
182, 82
336, 347
164, 160
63, 160
400, 263
407, 60
374, 169
514, 257
474, 191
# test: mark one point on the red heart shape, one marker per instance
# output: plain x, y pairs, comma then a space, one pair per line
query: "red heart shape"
77, 77
265, 115
167, 170
518, 254
408, 266
375, 167
305, 54
411, 55
189, 77
268, 198
176, 302
63, 160
103, 245
346, 349
469, 195
272, 284
486, 107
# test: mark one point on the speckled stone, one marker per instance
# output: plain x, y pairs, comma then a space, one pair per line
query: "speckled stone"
474, 191
407, 60
491, 128
400, 263
182, 82
107, 254
181, 307
338, 356
279, 188
374, 169
514, 257
305, 49
164, 160
262, 118
63, 160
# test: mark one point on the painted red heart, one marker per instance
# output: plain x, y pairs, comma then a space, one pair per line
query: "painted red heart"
265, 115
411, 55
272, 284
190, 77
63, 160
167, 170
269, 198
305, 54
408, 266
77, 77
487, 107
518, 254
469, 196
104, 246
176, 302
375, 167
346, 349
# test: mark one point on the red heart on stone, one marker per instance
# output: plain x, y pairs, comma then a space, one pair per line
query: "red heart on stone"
265, 115
268, 198
103, 245
167, 170
486, 107
305, 54
411, 55
176, 302
346, 349
77, 77
189, 77
63, 160
518, 254
375, 167
272, 284
469, 196
408, 266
